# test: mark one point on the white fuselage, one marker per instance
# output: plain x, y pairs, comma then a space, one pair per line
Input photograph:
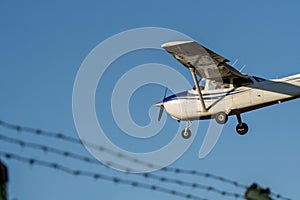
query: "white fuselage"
259, 93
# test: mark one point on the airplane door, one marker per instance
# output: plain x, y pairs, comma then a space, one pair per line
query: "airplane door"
241, 98
242, 95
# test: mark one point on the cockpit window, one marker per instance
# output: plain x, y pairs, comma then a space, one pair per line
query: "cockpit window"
237, 82
206, 84
258, 79
226, 83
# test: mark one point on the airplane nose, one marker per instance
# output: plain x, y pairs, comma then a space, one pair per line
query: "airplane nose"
159, 104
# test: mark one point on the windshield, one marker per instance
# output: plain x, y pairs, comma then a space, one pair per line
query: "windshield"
206, 84
258, 79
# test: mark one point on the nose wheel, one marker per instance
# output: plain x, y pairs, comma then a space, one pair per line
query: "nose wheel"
186, 133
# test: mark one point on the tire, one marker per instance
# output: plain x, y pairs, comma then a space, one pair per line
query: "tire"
221, 118
186, 133
242, 128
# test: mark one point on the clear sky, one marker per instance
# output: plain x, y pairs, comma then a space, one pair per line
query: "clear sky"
43, 44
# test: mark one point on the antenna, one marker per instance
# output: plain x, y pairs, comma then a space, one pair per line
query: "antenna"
235, 62
243, 68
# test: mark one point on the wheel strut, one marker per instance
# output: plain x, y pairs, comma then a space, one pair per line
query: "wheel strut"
241, 128
238, 116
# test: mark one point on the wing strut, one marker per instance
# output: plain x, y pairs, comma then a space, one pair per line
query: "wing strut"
192, 69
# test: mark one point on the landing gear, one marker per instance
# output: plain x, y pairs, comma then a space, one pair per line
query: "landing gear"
241, 128
186, 133
221, 118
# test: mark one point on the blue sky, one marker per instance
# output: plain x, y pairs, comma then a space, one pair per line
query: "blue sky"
44, 43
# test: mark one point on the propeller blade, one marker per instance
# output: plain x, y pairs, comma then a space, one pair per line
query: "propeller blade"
166, 90
161, 110
161, 105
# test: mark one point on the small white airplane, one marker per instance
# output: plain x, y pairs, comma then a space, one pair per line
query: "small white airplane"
222, 90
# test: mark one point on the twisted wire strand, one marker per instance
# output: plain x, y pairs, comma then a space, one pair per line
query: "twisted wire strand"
82, 158
64, 137
74, 140
99, 176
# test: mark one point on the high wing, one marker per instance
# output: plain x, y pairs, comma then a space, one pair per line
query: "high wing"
207, 64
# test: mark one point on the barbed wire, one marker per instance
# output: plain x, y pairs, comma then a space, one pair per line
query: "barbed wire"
76, 156
204, 174
63, 137
70, 139
79, 157
99, 176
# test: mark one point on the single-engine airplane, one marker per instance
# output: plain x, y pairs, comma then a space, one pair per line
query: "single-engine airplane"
222, 90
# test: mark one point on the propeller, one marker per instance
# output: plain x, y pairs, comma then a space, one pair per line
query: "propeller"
161, 105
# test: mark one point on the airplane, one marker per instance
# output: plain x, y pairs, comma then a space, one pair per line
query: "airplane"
222, 90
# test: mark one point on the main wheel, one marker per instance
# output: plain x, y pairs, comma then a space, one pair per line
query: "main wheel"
186, 133
221, 118
242, 128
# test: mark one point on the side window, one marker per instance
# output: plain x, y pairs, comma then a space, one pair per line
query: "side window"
238, 82
226, 83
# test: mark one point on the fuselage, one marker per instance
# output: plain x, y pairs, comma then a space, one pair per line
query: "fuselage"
232, 96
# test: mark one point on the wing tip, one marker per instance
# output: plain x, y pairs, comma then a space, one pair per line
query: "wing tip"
175, 43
